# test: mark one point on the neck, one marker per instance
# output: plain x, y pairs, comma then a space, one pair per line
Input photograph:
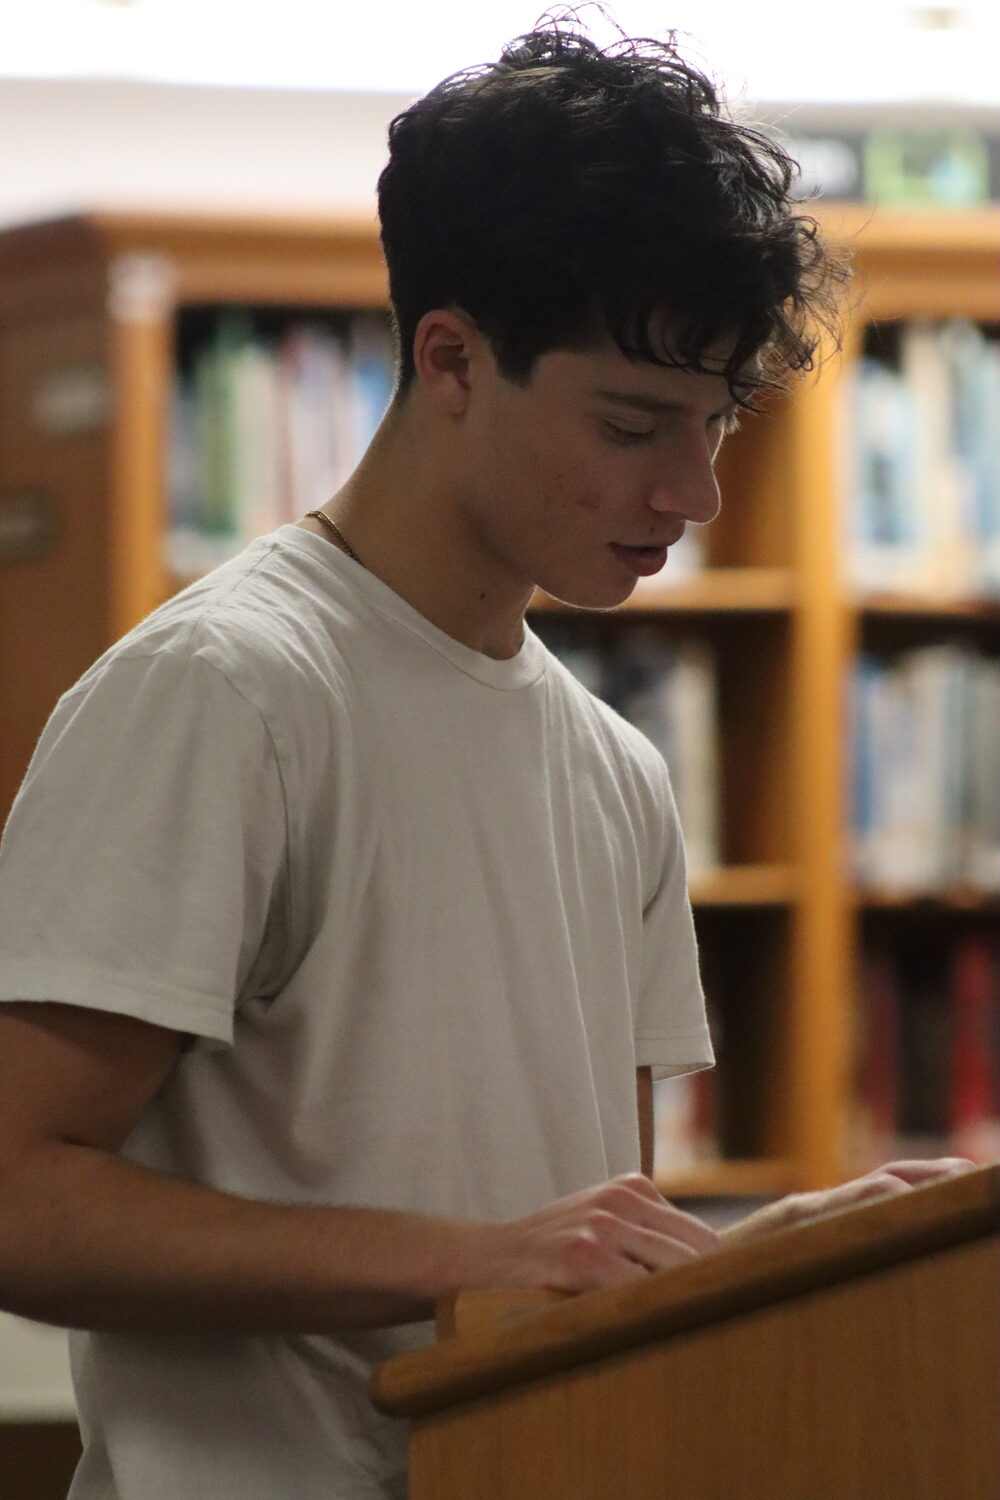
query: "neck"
401, 515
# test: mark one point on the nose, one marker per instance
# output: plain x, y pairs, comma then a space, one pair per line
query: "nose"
689, 488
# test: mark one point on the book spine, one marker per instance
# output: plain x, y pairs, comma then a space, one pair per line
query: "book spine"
266, 429
925, 790
923, 499
975, 1101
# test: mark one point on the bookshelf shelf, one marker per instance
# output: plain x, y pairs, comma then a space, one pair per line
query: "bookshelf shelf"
919, 264
958, 898
106, 301
726, 1179
713, 591
745, 885
906, 605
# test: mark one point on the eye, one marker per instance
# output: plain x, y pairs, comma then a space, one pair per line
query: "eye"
628, 434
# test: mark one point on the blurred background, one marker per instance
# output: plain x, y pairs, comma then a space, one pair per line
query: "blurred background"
803, 667
253, 106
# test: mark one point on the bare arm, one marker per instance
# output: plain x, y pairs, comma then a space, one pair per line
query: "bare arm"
88, 1239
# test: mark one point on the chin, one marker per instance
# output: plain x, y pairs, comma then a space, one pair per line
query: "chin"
589, 595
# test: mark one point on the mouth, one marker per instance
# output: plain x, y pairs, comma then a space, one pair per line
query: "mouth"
642, 561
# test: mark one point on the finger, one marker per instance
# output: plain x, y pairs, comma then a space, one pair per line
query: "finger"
882, 1184
928, 1171
657, 1243
620, 1269
683, 1227
612, 1251
847, 1195
656, 1252
639, 1201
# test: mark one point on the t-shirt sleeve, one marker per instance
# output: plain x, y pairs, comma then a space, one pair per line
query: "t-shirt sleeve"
671, 1027
146, 851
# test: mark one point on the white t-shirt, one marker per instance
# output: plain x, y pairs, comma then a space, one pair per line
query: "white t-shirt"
426, 913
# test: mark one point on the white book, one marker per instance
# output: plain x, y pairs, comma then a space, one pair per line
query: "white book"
694, 710
945, 563
371, 364
988, 495
983, 857
678, 1141
181, 554
865, 697
668, 691
256, 447
884, 542
899, 855
939, 676
316, 419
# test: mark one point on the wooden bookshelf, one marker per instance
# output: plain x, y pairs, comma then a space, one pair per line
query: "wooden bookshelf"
88, 320
730, 1179
912, 606
712, 591
951, 898
744, 885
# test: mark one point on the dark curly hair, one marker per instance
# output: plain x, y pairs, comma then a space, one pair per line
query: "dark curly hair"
567, 192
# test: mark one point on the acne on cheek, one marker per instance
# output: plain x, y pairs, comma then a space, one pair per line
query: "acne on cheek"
566, 489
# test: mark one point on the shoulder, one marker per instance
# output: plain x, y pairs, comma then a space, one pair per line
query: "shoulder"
261, 644
270, 623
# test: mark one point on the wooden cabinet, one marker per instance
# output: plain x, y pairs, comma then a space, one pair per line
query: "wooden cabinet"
88, 320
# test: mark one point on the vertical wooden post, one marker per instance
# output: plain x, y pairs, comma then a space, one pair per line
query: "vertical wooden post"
140, 304
819, 1050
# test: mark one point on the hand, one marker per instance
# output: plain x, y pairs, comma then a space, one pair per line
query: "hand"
883, 1182
616, 1232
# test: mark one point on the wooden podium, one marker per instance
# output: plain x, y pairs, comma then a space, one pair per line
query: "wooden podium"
853, 1358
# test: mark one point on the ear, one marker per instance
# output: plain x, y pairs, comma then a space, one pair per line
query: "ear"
448, 353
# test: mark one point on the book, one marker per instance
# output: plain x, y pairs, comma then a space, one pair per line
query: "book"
684, 1121
884, 544
922, 503
927, 1048
876, 1060
974, 1111
925, 776
687, 1112
668, 690
943, 559
924, 1037
973, 363
933, 165
981, 826
266, 425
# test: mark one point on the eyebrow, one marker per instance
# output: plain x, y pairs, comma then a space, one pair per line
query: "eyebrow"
657, 406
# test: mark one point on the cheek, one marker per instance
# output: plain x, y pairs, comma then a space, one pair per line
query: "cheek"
565, 489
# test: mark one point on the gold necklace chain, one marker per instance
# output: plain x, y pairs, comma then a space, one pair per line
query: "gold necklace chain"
321, 515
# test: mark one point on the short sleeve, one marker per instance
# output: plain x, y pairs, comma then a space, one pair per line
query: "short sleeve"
146, 850
671, 1029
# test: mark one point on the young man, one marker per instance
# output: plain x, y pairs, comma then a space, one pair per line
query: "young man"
343, 930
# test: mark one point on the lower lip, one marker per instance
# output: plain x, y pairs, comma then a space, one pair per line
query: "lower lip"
642, 561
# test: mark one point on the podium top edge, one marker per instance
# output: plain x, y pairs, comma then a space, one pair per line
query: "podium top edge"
740, 1279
